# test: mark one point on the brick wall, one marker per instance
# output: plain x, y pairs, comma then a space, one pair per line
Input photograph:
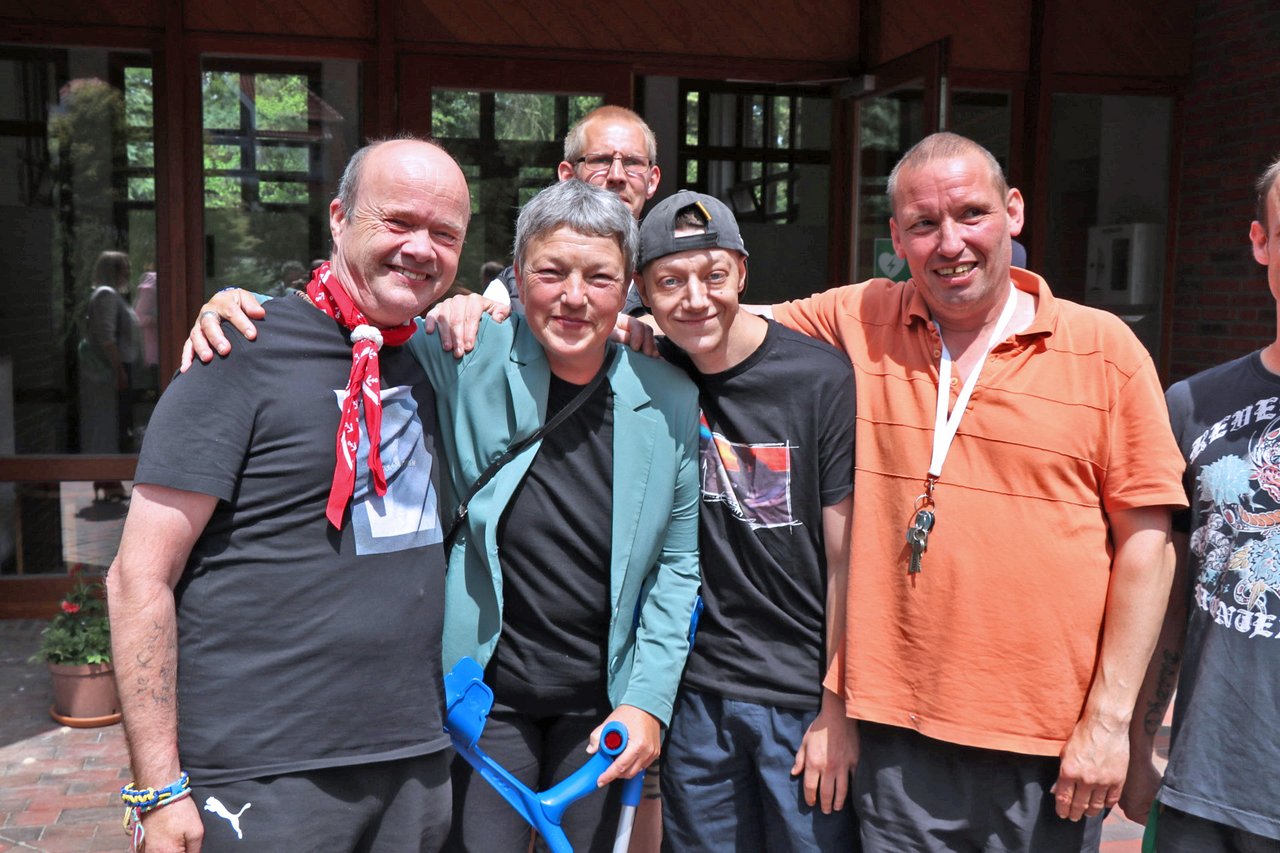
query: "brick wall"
1221, 306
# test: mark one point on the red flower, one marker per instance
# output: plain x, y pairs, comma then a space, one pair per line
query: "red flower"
70, 607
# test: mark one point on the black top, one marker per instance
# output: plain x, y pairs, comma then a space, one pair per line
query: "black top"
776, 447
1227, 422
300, 646
554, 548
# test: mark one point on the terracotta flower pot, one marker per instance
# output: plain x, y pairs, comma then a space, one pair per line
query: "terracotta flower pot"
84, 695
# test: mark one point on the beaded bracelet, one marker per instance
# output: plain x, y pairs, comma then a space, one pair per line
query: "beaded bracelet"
146, 799
139, 802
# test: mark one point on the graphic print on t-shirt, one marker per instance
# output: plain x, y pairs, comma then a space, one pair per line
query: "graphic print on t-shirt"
1238, 546
752, 480
407, 516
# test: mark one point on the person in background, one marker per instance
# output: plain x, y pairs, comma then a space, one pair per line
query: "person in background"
110, 344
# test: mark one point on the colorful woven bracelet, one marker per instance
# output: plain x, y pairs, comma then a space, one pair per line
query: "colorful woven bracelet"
146, 799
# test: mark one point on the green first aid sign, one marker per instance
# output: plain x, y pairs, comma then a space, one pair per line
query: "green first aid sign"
886, 263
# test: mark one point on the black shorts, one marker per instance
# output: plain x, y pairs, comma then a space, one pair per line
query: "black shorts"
388, 807
919, 795
1180, 832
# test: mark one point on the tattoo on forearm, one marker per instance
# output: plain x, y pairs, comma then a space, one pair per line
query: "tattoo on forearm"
153, 676
1169, 662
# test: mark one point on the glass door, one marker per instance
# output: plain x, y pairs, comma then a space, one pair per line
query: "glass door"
897, 105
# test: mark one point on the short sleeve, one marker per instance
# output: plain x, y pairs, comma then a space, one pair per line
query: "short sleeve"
199, 434
838, 410
1145, 465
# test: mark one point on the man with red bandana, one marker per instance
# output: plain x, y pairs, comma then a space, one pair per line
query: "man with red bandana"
1015, 473
276, 601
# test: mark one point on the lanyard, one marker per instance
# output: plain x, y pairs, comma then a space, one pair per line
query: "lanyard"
944, 427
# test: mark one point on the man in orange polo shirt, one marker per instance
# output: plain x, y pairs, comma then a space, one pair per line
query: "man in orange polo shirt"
1011, 543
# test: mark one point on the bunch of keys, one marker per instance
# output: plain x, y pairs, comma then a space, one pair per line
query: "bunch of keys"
918, 532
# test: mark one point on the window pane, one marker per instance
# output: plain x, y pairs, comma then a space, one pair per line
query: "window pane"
753, 120
77, 160
142, 189
454, 114
580, 105
781, 137
1108, 186
138, 97
282, 159
270, 171
221, 157
519, 115
221, 98
278, 192
281, 101
142, 154
221, 192
813, 123
691, 127
472, 171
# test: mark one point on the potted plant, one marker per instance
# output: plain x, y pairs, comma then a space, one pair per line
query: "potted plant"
77, 649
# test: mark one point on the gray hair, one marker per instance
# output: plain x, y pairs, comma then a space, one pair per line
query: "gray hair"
575, 141
1264, 186
582, 208
349, 184
943, 146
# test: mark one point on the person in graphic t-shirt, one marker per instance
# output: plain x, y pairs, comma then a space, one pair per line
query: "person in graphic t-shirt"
1221, 642
276, 604
758, 749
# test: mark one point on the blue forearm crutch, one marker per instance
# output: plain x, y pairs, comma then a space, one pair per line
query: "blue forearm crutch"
467, 702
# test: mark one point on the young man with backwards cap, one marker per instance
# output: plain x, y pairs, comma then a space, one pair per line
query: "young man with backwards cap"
758, 752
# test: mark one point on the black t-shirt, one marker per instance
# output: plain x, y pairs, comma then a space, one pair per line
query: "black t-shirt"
776, 447
301, 646
554, 547
1224, 747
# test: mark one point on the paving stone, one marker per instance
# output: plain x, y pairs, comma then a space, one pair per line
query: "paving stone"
21, 834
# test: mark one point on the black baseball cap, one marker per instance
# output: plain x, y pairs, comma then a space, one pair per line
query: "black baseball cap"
657, 232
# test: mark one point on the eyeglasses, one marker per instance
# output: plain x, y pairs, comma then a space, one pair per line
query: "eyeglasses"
600, 163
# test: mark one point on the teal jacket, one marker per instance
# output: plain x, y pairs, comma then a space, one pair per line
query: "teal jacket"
497, 394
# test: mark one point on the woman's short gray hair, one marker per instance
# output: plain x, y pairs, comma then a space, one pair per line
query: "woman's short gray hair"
580, 207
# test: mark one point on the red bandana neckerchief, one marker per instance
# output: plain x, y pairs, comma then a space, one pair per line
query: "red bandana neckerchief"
363, 388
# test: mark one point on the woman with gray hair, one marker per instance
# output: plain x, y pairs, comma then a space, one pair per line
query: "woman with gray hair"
575, 595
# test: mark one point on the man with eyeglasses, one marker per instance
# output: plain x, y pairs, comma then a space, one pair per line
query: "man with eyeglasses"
610, 147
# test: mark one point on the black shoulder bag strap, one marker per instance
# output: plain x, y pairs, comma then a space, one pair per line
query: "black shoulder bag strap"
510, 453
